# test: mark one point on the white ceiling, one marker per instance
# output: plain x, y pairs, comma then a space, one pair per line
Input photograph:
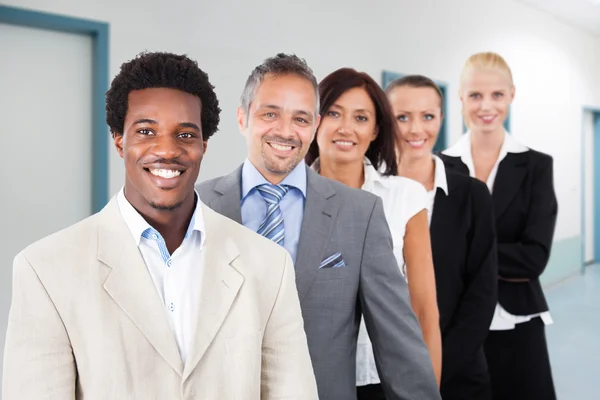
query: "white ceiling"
584, 14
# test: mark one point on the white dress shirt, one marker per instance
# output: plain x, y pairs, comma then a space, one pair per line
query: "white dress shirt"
176, 276
503, 320
402, 199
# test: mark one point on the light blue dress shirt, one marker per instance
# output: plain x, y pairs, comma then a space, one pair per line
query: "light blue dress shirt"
254, 206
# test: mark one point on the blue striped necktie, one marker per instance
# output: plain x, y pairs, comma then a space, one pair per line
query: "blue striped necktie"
272, 225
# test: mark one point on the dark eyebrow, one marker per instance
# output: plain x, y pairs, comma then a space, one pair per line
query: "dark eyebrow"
416, 112
153, 122
145, 121
272, 106
360, 110
189, 125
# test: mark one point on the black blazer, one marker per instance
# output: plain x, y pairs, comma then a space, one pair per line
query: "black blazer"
463, 242
525, 209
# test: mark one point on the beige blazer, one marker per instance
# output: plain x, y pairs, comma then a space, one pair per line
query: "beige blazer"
86, 321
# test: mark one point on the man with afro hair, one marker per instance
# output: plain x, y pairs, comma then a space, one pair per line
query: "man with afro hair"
157, 296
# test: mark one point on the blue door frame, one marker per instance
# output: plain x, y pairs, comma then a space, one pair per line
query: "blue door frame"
596, 193
99, 32
442, 141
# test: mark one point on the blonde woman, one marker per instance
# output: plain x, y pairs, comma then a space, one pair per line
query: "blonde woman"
521, 182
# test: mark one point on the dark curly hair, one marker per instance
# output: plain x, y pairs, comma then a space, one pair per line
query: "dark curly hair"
161, 70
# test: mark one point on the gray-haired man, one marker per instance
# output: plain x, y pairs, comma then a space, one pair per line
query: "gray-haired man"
338, 237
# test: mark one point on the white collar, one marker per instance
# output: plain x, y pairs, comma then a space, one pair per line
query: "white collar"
463, 146
462, 149
440, 180
137, 224
371, 175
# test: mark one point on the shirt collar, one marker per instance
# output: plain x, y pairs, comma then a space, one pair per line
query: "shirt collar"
137, 224
440, 180
316, 166
462, 149
252, 178
373, 176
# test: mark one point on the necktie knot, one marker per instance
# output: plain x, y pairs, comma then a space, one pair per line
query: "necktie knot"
272, 193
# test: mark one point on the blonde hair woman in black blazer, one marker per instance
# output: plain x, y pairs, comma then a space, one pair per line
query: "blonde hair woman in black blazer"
525, 207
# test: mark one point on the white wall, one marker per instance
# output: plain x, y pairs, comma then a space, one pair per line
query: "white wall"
555, 65
45, 149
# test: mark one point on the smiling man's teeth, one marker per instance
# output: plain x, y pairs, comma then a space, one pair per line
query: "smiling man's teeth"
343, 143
165, 173
281, 147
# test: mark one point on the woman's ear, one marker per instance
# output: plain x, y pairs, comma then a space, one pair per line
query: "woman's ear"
375, 133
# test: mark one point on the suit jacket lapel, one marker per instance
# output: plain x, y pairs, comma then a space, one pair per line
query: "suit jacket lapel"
218, 289
454, 164
320, 214
511, 173
229, 201
439, 218
444, 220
131, 287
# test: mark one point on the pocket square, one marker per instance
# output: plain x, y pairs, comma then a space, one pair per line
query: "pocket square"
333, 261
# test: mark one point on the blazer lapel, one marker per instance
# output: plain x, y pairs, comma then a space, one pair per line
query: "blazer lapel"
220, 285
131, 287
228, 203
454, 164
511, 173
439, 218
320, 214
444, 220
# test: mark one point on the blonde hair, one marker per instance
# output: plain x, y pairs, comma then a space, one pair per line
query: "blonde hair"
485, 60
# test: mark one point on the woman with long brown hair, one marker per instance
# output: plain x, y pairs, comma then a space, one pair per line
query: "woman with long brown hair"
355, 144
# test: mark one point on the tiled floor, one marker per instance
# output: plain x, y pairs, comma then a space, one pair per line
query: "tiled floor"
574, 339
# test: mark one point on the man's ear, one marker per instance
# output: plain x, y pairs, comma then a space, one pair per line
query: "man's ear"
241, 119
118, 142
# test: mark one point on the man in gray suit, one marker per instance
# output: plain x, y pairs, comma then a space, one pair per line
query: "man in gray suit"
337, 236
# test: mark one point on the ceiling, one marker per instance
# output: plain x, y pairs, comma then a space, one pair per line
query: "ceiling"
584, 14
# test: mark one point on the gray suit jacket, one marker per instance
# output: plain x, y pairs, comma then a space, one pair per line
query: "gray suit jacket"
338, 219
